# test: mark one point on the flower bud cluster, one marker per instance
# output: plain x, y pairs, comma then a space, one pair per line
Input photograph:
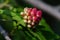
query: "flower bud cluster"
31, 16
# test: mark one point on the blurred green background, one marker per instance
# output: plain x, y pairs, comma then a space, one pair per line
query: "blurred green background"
13, 23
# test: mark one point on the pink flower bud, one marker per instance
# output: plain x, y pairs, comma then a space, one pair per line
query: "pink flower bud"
29, 10
34, 18
34, 9
32, 23
33, 12
39, 13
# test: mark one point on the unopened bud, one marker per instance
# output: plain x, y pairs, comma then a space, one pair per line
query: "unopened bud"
34, 9
39, 13
29, 26
34, 18
22, 13
25, 10
28, 14
29, 17
32, 13
25, 21
32, 23
29, 21
25, 17
29, 10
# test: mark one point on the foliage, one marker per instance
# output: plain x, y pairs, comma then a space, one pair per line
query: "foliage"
12, 22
